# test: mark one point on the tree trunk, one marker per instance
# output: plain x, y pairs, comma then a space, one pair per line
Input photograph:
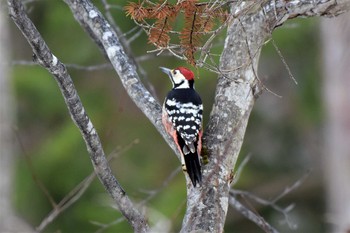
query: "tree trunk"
236, 90
234, 99
336, 157
9, 222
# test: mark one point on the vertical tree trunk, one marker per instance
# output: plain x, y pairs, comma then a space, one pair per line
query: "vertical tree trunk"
234, 100
8, 221
6, 152
336, 157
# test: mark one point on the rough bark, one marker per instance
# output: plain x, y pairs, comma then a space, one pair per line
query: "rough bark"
336, 156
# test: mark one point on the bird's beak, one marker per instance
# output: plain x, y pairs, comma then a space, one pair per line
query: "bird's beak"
166, 70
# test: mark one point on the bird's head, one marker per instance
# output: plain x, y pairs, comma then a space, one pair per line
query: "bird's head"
180, 77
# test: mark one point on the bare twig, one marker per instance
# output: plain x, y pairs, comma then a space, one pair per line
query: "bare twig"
75, 194
32, 171
29, 1
240, 169
66, 202
258, 220
284, 61
292, 187
273, 203
135, 36
45, 58
71, 66
283, 211
151, 195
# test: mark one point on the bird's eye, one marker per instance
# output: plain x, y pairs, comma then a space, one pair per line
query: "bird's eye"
175, 72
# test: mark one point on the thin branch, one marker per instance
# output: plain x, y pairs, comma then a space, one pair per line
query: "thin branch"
45, 58
71, 66
104, 227
284, 211
258, 220
110, 18
135, 36
240, 169
284, 61
66, 202
273, 203
104, 66
32, 171
260, 86
292, 187
75, 194
151, 195
24, 2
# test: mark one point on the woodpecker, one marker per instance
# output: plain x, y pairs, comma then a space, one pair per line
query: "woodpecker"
182, 118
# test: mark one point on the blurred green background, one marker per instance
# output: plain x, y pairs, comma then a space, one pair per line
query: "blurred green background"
283, 136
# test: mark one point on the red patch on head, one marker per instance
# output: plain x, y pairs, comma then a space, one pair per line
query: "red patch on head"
186, 72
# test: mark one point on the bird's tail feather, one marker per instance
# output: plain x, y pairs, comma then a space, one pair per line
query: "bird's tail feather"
193, 168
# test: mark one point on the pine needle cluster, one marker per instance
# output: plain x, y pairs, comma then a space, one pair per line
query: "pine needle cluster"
158, 20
